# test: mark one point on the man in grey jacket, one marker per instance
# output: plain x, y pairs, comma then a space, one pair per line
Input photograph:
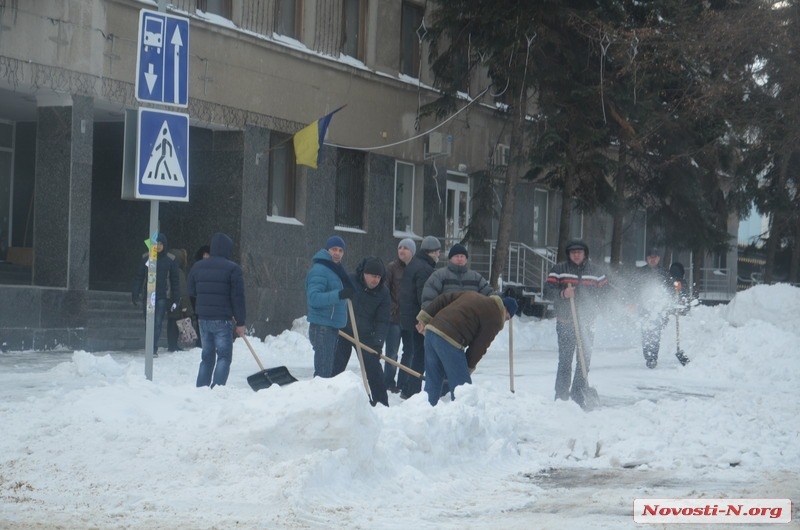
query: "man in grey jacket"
455, 277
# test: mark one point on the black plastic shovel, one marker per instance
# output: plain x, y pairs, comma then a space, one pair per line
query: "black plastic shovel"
267, 376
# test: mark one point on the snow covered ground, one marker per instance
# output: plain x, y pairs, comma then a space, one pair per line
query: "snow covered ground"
88, 442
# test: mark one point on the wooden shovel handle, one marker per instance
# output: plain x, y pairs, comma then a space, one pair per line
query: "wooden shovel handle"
358, 348
382, 356
579, 340
261, 366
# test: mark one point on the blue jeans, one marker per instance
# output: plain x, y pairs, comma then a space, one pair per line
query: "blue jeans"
392, 346
217, 346
323, 340
443, 361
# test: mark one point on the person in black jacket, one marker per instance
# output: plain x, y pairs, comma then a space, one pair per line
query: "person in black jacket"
418, 270
217, 283
371, 305
586, 283
168, 286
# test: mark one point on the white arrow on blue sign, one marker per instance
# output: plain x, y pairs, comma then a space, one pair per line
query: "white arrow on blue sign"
162, 156
162, 62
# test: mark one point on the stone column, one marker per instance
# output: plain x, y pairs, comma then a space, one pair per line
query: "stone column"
63, 192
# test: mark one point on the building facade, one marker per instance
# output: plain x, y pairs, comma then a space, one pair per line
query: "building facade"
259, 70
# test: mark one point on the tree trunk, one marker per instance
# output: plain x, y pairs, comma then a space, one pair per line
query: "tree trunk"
794, 264
619, 213
513, 175
772, 247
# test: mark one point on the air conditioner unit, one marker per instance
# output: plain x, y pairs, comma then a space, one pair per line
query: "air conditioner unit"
438, 144
501, 155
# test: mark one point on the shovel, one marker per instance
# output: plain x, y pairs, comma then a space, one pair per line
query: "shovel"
511, 353
590, 398
382, 356
682, 358
267, 377
358, 349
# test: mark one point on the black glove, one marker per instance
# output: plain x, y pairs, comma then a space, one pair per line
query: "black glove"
135, 299
345, 293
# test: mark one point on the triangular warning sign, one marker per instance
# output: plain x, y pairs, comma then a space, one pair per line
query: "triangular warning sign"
163, 168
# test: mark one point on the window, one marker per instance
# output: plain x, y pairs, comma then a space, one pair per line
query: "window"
354, 28
282, 176
218, 7
410, 36
403, 197
350, 183
288, 17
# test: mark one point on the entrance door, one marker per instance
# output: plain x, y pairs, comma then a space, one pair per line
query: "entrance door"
457, 208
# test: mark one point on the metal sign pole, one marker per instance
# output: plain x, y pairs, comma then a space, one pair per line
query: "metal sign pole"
151, 295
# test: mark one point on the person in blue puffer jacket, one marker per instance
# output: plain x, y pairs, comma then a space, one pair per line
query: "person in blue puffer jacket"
217, 283
327, 288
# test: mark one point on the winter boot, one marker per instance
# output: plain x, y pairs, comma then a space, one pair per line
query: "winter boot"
651, 361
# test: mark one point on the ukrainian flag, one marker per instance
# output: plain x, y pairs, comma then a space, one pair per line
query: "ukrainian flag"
308, 141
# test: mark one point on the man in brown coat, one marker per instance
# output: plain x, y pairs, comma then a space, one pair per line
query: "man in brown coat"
458, 321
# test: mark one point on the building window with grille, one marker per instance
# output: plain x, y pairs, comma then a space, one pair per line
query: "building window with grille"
354, 16
410, 31
403, 197
288, 16
217, 7
350, 184
282, 176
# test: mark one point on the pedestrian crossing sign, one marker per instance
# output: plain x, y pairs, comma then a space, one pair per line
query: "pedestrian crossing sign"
162, 156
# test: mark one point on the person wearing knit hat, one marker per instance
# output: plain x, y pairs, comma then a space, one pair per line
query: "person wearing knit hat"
430, 243
371, 306
409, 244
456, 276
454, 324
417, 272
394, 275
458, 249
334, 241
327, 287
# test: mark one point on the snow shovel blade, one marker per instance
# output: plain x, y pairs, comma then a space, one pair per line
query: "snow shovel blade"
591, 400
682, 358
271, 376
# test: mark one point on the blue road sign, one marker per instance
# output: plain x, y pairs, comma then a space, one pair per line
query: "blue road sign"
162, 156
162, 62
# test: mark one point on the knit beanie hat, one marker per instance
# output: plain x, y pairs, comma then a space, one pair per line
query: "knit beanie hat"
334, 241
373, 266
457, 249
511, 305
409, 244
430, 243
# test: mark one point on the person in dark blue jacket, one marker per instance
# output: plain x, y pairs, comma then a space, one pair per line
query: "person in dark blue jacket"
327, 288
217, 283
168, 286
371, 305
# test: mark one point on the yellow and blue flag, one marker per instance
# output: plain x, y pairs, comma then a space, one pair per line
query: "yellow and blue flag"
308, 141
